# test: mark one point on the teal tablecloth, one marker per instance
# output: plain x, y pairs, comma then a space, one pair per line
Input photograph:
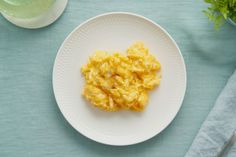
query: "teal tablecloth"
30, 121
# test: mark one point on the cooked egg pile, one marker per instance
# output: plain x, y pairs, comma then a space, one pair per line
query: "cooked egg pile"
121, 81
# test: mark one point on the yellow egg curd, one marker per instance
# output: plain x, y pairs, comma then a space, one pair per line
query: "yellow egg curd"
121, 81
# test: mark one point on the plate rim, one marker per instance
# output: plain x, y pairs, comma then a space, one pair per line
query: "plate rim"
179, 53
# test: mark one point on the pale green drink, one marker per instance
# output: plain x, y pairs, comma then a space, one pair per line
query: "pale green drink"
25, 8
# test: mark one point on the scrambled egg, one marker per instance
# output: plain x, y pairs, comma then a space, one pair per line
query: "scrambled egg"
121, 81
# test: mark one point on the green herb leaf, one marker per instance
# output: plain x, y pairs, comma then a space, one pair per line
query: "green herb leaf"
219, 10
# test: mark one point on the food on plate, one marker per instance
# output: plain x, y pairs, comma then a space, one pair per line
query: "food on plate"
121, 81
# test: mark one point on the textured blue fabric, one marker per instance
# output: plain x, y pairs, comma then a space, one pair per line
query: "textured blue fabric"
219, 125
30, 121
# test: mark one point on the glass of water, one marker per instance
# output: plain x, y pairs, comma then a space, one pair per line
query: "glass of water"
32, 13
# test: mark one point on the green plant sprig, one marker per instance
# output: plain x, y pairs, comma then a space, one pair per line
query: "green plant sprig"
220, 10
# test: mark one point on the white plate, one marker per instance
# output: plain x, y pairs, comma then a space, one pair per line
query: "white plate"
116, 31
